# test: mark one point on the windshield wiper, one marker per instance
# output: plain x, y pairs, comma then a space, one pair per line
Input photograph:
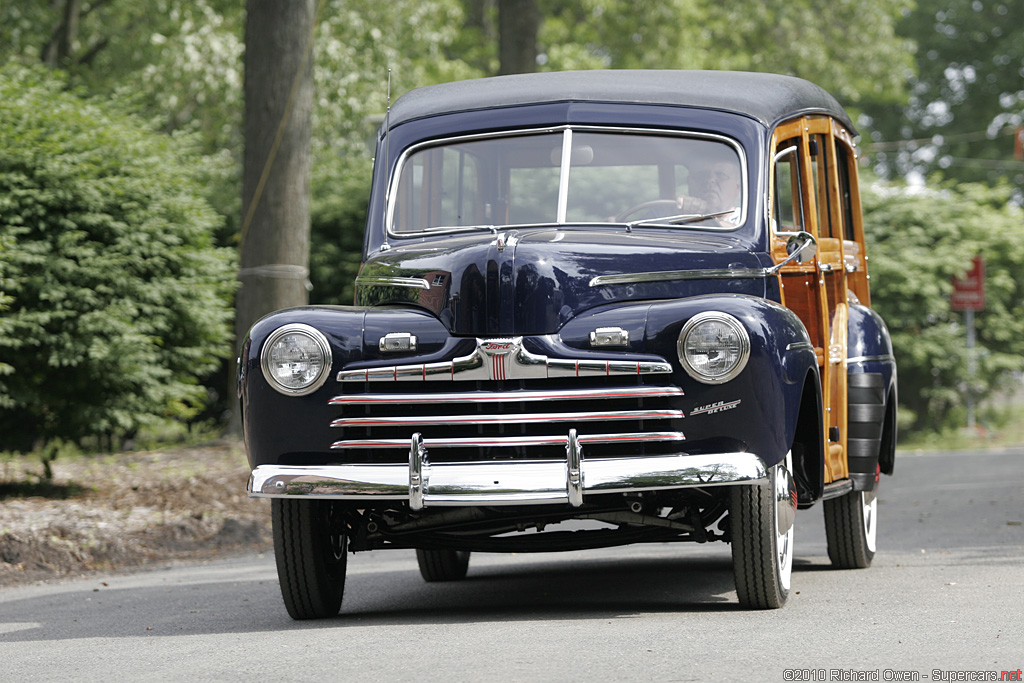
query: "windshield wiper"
461, 228
680, 219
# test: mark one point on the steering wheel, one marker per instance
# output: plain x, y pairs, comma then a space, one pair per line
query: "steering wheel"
655, 208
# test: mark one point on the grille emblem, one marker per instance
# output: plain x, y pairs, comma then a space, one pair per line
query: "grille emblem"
499, 352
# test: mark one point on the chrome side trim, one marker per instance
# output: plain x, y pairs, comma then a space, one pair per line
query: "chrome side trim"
871, 359
523, 418
385, 281
512, 441
519, 396
506, 482
669, 275
797, 244
504, 359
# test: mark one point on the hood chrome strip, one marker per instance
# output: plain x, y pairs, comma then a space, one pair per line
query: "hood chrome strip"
384, 281
669, 275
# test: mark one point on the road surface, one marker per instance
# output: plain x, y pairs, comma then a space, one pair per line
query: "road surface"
944, 600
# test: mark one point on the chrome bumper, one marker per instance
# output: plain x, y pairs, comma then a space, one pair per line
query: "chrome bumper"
423, 484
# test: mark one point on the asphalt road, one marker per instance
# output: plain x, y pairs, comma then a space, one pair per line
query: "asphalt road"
945, 595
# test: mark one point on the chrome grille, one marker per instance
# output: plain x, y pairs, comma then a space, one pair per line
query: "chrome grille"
506, 420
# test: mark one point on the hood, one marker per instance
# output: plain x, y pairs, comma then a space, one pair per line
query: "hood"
532, 281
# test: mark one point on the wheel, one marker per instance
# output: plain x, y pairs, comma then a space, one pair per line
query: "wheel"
762, 517
309, 545
442, 565
851, 525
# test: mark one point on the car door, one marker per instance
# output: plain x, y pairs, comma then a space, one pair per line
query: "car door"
805, 196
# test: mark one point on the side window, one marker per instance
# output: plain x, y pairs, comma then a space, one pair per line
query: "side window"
787, 207
820, 163
843, 159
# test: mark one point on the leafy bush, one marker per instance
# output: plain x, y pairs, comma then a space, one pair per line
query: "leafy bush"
918, 243
119, 301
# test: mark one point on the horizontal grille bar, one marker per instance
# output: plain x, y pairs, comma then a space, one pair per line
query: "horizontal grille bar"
510, 419
514, 441
506, 359
637, 392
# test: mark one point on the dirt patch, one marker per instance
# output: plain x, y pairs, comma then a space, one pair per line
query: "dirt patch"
113, 512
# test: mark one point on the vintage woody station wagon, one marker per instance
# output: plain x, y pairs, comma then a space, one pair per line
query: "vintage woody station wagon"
595, 308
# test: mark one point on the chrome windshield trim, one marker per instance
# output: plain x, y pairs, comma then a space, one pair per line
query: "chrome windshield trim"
506, 482
396, 175
508, 396
511, 441
523, 418
670, 275
505, 359
563, 176
381, 281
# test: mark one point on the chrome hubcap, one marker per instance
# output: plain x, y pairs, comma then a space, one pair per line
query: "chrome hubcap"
869, 512
785, 512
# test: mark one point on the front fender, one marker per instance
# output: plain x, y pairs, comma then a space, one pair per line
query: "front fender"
755, 412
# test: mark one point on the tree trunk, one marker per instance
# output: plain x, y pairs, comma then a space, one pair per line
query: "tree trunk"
274, 253
518, 23
61, 45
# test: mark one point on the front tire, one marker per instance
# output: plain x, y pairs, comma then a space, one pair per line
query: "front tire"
310, 547
851, 526
762, 517
442, 565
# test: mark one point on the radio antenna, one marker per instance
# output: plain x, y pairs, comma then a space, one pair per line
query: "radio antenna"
387, 165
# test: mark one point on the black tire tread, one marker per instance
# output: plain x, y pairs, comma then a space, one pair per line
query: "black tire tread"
753, 531
308, 589
442, 565
844, 531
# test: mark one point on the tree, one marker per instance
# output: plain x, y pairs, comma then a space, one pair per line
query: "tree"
518, 22
276, 174
118, 300
918, 242
966, 98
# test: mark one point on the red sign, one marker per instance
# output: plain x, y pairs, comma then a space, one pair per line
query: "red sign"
969, 290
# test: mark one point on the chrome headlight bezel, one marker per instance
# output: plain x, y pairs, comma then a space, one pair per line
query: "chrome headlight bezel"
320, 346
741, 350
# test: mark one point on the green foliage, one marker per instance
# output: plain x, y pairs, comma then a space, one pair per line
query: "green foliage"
966, 97
918, 241
814, 39
357, 42
119, 302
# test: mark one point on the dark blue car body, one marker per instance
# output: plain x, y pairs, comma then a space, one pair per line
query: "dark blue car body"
509, 376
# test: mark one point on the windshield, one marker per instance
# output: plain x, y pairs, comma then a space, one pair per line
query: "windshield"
570, 176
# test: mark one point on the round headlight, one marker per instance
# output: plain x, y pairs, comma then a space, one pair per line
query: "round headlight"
713, 347
296, 359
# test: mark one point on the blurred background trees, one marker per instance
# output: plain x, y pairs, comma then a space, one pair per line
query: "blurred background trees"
936, 87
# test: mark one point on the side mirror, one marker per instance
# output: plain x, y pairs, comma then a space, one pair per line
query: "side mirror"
801, 247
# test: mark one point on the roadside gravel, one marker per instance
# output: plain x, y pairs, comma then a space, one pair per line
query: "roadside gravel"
108, 512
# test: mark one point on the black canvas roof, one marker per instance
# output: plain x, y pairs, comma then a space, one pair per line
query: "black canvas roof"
765, 97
